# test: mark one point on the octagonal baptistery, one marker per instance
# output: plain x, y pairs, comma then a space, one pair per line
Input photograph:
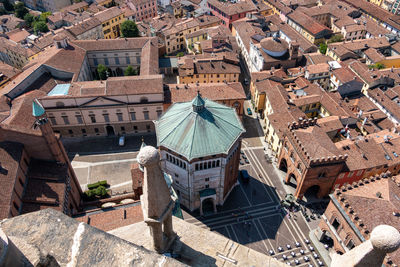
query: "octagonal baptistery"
200, 144
273, 46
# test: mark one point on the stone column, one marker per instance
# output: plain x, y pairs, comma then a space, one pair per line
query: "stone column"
371, 253
156, 200
157, 234
169, 231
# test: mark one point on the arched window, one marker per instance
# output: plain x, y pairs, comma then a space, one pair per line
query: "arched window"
217, 163
144, 100
299, 168
292, 156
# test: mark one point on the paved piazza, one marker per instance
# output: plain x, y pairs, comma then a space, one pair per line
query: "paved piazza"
252, 214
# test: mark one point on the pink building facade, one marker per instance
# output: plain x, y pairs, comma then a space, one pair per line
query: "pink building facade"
230, 12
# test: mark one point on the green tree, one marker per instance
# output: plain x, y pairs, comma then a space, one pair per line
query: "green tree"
3, 12
40, 26
336, 38
7, 5
380, 66
29, 19
130, 71
102, 71
101, 191
322, 48
180, 54
44, 15
20, 10
129, 29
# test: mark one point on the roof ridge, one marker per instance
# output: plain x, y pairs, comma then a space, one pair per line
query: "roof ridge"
193, 135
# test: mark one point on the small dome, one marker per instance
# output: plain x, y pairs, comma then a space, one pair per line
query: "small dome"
274, 47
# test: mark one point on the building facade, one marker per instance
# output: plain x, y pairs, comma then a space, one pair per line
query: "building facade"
307, 169
229, 12
47, 5
111, 20
354, 210
122, 110
208, 70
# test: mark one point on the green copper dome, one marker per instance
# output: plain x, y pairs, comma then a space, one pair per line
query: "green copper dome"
199, 128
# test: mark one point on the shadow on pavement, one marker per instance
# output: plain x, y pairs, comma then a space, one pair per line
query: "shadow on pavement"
250, 204
250, 124
105, 144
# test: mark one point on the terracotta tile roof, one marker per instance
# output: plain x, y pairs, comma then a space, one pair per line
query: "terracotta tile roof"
386, 100
330, 123
374, 201
362, 71
132, 85
75, 6
379, 13
149, 57
233, 8
46, 186
208, 66
118, 216
280, 120
75, 56
308, 23
108, 14
316, 58
344, 74
117, 44
318, 68
316, 142
10, 157
245, 30
84, 26
361, 154
362, 44
8, 71
374, 55
18, 35
212, 91
94, 8
279, 6
305, 45
11, 22
6, 44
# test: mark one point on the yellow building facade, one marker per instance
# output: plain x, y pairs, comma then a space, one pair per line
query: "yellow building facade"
111, 20
112, 28
175, 36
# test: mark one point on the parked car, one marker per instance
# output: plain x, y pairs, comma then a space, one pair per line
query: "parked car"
249, 111
121, 141
244, 175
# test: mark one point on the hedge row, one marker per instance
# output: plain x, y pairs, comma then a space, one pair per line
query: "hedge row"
97, 184
100, 191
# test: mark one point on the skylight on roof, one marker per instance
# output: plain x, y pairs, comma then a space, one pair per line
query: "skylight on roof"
59, 89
